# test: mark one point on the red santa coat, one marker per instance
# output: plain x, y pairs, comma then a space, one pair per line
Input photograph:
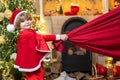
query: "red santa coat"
31, 50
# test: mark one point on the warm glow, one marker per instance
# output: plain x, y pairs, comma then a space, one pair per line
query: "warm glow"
2, 39
109, 62
42, 19
90, 8
109, 58
41, 29
42, 32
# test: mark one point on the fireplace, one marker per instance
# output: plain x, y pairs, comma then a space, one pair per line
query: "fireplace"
75, 59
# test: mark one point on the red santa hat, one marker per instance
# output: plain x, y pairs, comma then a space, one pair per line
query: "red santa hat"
12, 21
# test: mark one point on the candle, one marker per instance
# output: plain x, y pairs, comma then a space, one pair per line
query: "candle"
105, 6
41, 11
41, 8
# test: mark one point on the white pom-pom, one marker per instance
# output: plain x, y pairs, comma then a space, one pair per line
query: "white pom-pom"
10, 28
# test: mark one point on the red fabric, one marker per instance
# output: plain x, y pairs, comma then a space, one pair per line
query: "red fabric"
49, 37
74, 10
36, 75
28, 58
101, 35
41, 41
13, 16
59, 46
118, 70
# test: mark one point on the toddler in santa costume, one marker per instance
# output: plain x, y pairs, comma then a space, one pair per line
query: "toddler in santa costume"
31, 47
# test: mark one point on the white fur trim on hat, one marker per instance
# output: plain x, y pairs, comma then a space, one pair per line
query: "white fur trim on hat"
10, 28
18, 15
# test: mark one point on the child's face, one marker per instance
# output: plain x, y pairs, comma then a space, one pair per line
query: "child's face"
25, 24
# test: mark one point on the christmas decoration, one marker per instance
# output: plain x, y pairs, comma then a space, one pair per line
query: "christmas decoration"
109, 65
74, 10
117, 69
116, 3
101, 70
2, 40
61, 10
16, 13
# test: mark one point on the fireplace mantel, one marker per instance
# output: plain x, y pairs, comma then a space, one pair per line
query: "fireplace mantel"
58, 21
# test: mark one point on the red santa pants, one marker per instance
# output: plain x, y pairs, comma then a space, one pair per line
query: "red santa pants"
36, 75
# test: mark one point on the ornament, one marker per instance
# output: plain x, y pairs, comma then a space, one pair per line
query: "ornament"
46, 62
2, 40
74, 9
13, 56
61, 10
101, 70
7, 13
109, 65
117, 65
2, 7
1, 16
3, 1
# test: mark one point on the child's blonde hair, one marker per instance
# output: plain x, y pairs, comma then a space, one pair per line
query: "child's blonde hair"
21, 18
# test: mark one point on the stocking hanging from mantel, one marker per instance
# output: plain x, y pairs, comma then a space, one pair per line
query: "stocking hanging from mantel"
101, 35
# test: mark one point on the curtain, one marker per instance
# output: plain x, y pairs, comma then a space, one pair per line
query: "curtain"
101, 35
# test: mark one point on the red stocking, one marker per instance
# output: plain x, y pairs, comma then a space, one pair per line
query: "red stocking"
74, 10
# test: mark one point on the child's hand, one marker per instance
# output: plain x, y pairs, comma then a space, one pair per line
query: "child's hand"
63, 37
